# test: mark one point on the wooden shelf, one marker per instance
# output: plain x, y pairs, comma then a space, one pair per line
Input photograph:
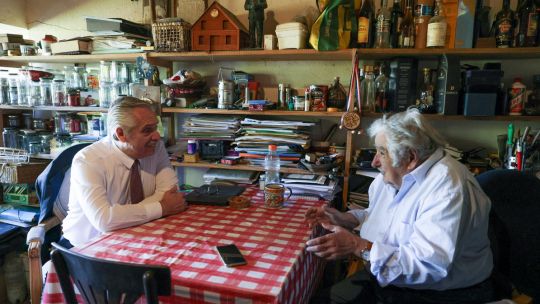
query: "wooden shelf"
281, 55
470, 118
208, 165
20, 60
245, 112
58, 109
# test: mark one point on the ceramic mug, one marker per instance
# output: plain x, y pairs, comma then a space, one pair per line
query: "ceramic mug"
274, 195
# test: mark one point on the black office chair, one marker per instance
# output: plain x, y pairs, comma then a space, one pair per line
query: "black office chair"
101, 281
514, 229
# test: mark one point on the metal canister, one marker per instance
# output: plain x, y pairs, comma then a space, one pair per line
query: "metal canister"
225, 94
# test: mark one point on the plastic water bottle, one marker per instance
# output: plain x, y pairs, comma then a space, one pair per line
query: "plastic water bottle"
271, 165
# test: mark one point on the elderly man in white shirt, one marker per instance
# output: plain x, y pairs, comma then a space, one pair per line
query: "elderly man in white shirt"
123, 180
425, 233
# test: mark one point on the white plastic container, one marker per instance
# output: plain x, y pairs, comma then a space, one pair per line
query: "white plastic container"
291, 35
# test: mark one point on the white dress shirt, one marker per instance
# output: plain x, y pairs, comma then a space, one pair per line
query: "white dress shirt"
432, 233
99, 199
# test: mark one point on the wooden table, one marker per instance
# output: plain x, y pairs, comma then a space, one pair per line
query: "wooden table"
279, 270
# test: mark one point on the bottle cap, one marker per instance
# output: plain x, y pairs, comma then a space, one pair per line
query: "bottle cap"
272, 147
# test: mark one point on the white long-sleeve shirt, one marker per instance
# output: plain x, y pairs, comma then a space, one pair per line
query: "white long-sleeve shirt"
432, 233
99, 199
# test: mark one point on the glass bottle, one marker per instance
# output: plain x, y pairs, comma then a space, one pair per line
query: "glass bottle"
59, 92
406, 28
422, 13
528, 24
22, 86
4, 87
367, 90
396, 17
504, 24
437, 26
382, 35
381, 94
13, 94
366, 22
272, 166
481, 20
426, 93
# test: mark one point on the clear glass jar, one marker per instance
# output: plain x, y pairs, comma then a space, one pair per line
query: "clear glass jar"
105, 71
22, 86
74, 98
25, 137
13, 121
78, 80
9, 135
46, 142
115, 72
45, 85
4, 88
13, 94
68, 76
59, 92
106, 94
28, 120
34, 94
34, 147
124, 72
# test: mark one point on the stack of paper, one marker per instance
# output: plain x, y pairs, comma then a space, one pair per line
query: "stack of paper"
210, 127
238, 176
310, 184
289, 137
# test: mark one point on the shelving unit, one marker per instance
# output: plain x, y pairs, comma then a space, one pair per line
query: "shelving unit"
167, 59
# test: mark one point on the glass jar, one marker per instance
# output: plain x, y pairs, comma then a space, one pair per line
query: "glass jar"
25, 137
105, 94
105, 71
78, 80
45, 85
28, 122
62, 140
124, 72
115, 72
13, 94
9, 135
22, 86
39, 124
68, 76
74, 98
13, 121
4, 88
34, 147
34, 94
59, 92
46, 142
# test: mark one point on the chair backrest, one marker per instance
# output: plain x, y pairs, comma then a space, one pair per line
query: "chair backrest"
514, 227
102, 281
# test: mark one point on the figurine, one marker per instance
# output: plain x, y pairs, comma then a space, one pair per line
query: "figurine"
256, 19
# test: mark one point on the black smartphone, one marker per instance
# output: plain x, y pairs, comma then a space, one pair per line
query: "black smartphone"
230, 255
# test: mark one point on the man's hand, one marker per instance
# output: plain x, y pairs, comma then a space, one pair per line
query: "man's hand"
340, 243
172, 202
323, 215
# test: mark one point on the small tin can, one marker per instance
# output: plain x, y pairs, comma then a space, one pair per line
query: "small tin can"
225, 94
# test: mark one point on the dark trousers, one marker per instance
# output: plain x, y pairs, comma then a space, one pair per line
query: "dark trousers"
363, 288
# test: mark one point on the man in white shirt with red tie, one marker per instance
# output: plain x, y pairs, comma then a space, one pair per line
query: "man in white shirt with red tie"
123, 180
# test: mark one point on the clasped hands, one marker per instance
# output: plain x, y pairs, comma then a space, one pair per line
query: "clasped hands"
172, 202
340, 242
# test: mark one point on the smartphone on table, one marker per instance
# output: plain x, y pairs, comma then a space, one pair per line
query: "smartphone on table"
230, 255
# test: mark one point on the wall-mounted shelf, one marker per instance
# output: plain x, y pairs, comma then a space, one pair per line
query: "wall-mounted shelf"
208, 165
469, 118
245, 112
53, 108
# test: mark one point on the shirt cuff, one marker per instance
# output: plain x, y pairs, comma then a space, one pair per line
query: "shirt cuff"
153, 210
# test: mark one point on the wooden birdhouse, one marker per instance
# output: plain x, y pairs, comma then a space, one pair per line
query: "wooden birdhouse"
218, 30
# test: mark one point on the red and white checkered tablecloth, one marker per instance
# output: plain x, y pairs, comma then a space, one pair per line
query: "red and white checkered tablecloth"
279, 270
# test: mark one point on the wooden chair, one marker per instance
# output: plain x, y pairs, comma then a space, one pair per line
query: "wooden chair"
514, 232
52, 189
101, 281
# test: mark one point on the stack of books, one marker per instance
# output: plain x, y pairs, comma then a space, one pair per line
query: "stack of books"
208, 127
311, 185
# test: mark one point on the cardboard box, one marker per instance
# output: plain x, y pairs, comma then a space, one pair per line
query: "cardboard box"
73, 46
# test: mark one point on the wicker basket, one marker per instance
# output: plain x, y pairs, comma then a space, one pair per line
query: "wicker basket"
171, 35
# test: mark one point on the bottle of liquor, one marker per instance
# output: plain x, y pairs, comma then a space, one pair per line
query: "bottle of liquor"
422, 13
396, 16
425, 95
366, 22
407, 28
528, 24
436, 33
505, 22
382, 36
381, 93
481, 20
367, 90
354, 29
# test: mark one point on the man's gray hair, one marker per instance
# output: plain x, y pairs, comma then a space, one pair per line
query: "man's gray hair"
120, 116
407, 131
